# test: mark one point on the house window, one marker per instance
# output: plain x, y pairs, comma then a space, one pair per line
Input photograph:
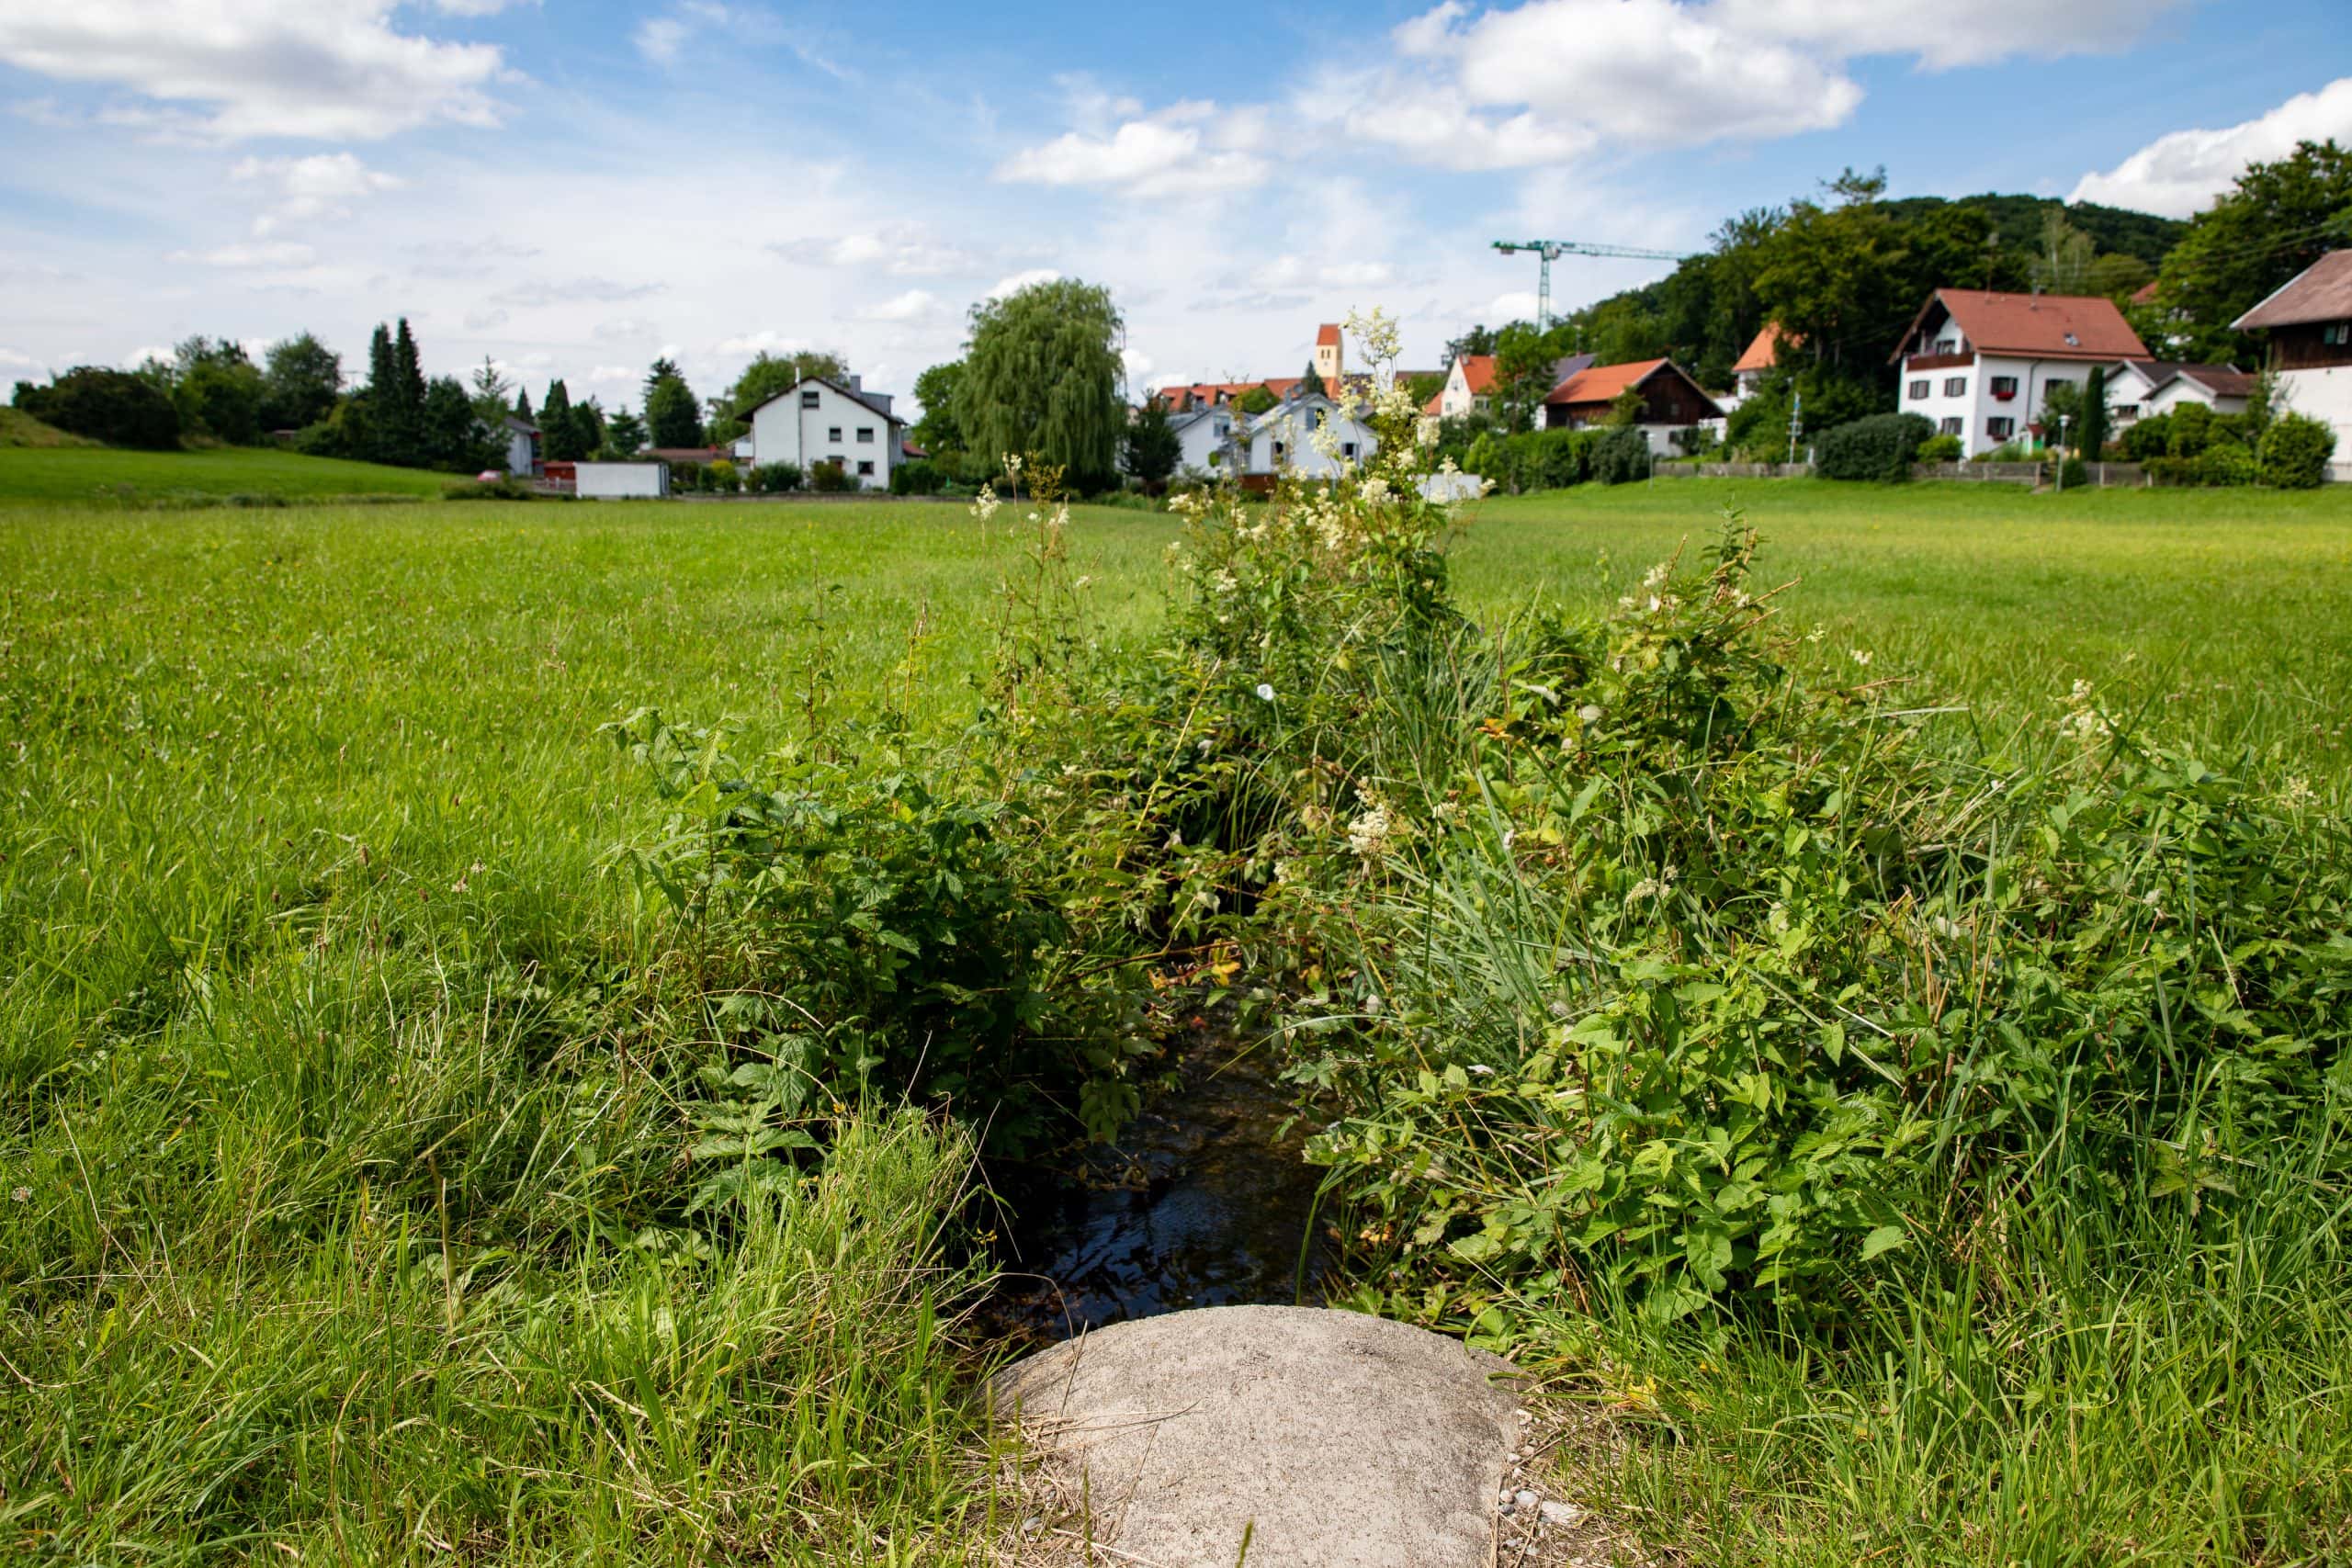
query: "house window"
2000, 428
1955, 386
1279, 450
1951, 426
808, 400
2127, 410
834, 433
1347, 448
1918, 388
2337, 333
2004, 387
866, 469
866, 433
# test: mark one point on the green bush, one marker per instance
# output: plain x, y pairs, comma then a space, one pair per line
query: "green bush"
1938, 449
722, 477
685, 478
112, 406
2294, 452
2189, 431
2072, 474
916, 477
2150, 437
830, 477
776, 478
1621, 456
1880, 447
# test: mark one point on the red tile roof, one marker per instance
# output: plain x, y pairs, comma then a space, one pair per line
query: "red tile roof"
2033, 326
1602, 383
2321, 292
1764, 351
2145, 294
1478, 372
1326, 334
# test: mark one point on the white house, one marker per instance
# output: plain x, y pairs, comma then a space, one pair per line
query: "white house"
816, 420
1469, 388
1748, 370
1282, 439
2309, 322
522, 441
1980, 364
1204, 436
2140, 388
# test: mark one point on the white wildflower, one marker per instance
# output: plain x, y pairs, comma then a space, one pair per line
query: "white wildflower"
1265, 692
1483, 1070
1589, 713
1860, 656
984, 505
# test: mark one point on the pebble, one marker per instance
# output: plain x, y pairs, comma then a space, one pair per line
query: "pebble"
1503, 1496
1563, 1514
1526, 1500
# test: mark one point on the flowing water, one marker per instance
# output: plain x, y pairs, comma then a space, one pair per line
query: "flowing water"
1204, 1200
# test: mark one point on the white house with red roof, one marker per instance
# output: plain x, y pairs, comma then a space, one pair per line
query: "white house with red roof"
1981, 364
1748, 370
1469, 388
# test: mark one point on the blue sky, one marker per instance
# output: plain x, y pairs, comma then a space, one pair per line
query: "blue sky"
572, 187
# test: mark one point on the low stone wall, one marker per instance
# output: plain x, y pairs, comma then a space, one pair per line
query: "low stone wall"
1732, 471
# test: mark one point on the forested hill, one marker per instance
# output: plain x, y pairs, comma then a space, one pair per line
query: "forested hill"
2018, 222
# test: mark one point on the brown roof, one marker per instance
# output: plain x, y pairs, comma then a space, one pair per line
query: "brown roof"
2321, 292
1326, 334
1602, 383
2221, 380
2033, 326
2145, 294
1763, 352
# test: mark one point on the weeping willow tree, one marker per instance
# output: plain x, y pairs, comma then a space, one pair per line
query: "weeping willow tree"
1041, 377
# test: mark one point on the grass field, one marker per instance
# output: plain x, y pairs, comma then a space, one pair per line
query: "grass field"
320, 1154
110, 476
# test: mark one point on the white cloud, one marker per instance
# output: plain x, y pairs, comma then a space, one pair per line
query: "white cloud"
138, 356
1021, 281
476, 8
605, 374
663, 39
1945, 33
766, 341
2177, 175
902, 250
915, 305
320, 186
1187, 148
326, 69
279, 255
11, 360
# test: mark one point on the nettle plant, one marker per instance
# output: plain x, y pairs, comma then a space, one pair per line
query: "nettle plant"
1678, 977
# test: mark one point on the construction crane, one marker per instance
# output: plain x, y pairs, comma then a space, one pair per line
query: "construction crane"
1550, 251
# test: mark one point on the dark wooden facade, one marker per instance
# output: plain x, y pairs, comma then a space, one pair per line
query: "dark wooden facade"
2305, 346
1668, 397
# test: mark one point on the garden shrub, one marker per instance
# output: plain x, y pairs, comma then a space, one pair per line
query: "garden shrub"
1880, 447
685, 478
722, 477
2150, 437
1938, 449
776, 478
919, 476
1621, 456
2295, 451
2189, 431
112, 406
2072, 474
829, 476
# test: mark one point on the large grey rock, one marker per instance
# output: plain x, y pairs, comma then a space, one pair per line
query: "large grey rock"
1337, 1441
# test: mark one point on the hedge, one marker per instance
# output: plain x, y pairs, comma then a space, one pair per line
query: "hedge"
1880, 447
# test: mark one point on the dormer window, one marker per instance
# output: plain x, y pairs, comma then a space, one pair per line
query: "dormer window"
2073, 342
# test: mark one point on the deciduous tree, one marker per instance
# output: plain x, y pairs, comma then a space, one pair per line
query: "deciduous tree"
1042, 375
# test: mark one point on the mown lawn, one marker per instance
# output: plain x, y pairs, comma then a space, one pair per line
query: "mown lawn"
317, 1149
116, 476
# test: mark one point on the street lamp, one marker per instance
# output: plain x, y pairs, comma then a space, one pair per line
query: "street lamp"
2062, 422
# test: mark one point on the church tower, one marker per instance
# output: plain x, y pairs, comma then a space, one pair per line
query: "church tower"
1328, 357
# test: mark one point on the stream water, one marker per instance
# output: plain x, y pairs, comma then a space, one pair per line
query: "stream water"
1202, 1202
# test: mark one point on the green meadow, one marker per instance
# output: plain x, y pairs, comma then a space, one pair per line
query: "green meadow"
332, 1116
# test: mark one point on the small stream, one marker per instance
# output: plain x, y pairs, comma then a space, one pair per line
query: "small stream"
1202, 1202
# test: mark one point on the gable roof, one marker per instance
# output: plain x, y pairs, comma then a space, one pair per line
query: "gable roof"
2031, 326
2221, 380
1600, 383
1764, 351
851, 393
2321, 292
517, 422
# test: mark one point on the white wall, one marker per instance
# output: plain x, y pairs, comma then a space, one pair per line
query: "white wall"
1204, 436
1455, 399
1974, 405
785, 431
2181, 390
518, 453
2325, 395
1293, 429
2126, 388
620, 481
